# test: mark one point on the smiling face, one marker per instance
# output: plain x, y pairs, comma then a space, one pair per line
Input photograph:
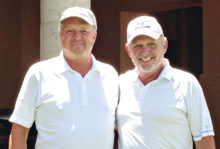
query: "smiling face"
147, 53
77, 38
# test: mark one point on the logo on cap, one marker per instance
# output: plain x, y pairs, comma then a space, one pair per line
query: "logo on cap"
142, 25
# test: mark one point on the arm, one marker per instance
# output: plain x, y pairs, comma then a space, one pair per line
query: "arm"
18, 137
206, 143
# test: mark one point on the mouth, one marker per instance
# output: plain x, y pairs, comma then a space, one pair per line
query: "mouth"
76, 44
145, 59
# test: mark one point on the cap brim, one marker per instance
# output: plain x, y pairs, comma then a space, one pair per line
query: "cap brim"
77, 16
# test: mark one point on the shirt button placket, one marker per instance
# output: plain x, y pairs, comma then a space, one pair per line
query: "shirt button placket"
84, 93
143, 93
141, 97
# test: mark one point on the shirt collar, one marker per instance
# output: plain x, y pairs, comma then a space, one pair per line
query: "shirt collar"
62, 65
165, 73
94, 69
134, 76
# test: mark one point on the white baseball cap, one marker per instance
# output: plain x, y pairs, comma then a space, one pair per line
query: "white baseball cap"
83, 13
143, 25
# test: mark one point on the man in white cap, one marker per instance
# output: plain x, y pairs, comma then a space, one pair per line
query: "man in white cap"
160, 107
71, 98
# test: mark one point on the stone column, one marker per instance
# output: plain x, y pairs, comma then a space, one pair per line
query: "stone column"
210, 79
50, 15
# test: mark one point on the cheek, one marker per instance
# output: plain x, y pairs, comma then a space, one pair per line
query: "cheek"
91, 40
133, 56
64, 41
158, 51
136, 53
63, 38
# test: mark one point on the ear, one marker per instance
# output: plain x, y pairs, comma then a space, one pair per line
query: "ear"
165, 45
60, 34
127, 48
95, 35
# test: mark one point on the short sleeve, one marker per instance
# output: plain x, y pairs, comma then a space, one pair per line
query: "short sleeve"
24, 111
199, 116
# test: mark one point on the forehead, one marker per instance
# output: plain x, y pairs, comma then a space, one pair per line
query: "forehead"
74, 20
142, 38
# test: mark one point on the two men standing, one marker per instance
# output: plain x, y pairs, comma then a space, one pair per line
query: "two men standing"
73, 98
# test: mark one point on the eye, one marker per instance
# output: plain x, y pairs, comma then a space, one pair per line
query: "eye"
152, 44
137, 46
83, 31
68, 31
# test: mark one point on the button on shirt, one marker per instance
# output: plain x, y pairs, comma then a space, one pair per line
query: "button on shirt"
70, 111
164, 114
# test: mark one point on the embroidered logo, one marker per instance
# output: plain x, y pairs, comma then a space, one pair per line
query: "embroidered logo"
142, 25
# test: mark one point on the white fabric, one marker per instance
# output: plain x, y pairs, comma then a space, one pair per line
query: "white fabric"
143, 25
70, 112
165, 114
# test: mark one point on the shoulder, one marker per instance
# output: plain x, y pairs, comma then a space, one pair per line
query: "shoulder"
183, 76
128, 76
42, 68
106, 68
186, 81
45, 65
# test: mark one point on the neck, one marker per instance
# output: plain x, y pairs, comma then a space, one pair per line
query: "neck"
147, 77
81, 65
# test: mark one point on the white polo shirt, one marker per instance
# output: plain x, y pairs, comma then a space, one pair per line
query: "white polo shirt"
70, 112
164, 114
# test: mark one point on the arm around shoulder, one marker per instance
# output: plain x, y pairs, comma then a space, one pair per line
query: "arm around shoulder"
18, 137
206, 143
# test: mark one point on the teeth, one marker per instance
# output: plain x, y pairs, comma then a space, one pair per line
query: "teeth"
146, 59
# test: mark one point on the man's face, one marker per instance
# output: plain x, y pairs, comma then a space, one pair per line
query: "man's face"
77, 37
147, 53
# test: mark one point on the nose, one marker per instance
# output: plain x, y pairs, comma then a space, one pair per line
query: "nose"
76, 35
145, 50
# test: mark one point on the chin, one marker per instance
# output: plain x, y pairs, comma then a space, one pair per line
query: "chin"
147, 70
